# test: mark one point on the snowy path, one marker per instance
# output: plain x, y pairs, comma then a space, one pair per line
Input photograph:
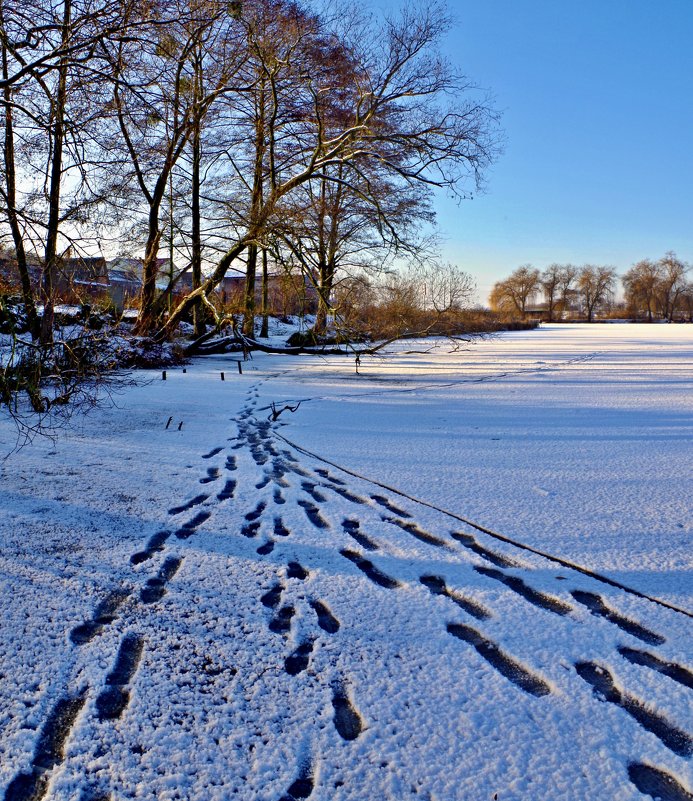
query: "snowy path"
283, 629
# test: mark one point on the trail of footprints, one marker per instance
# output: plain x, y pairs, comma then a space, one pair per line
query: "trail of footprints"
648, 780
114, 697
347, 720
104, 614
604, 687
49, 751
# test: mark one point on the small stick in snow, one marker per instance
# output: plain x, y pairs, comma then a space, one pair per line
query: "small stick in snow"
170, 420
222, 376
274, 415
163, 375
180, 425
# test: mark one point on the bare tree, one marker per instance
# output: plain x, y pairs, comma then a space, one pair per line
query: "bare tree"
550, 281
686, 300
595, 285
671, 284
445, 288
397, 115
641, 284
513, 294
567, 277
8, 188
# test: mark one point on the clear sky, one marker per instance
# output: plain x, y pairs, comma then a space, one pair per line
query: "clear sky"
597, 102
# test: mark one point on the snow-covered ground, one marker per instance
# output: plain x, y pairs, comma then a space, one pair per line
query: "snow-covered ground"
297, 609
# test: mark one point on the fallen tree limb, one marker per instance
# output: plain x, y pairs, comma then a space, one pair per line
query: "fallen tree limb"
237, 343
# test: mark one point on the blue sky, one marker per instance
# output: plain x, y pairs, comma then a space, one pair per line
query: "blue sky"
597, 102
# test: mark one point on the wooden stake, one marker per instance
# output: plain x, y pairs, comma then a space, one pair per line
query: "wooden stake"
163, 375
169, 422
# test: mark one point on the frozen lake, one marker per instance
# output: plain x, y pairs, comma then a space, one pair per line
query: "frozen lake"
454, 575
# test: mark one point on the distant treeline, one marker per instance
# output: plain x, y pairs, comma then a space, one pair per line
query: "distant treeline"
652, 290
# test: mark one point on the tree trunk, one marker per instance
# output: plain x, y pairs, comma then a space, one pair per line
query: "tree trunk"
208, 286
264, 331
249, 302
198, 309
11, 198
50, 267
149, 316
330, 208
325, 285
152, 306
255, 209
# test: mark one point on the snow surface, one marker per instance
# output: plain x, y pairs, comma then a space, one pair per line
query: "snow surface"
425, 658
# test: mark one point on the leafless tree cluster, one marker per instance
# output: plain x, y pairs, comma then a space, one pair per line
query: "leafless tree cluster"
652, 289
235, 133
263, 127
658, 288
426, 299
564, 288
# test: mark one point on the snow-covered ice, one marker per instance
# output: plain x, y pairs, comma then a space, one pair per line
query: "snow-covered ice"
296, 609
